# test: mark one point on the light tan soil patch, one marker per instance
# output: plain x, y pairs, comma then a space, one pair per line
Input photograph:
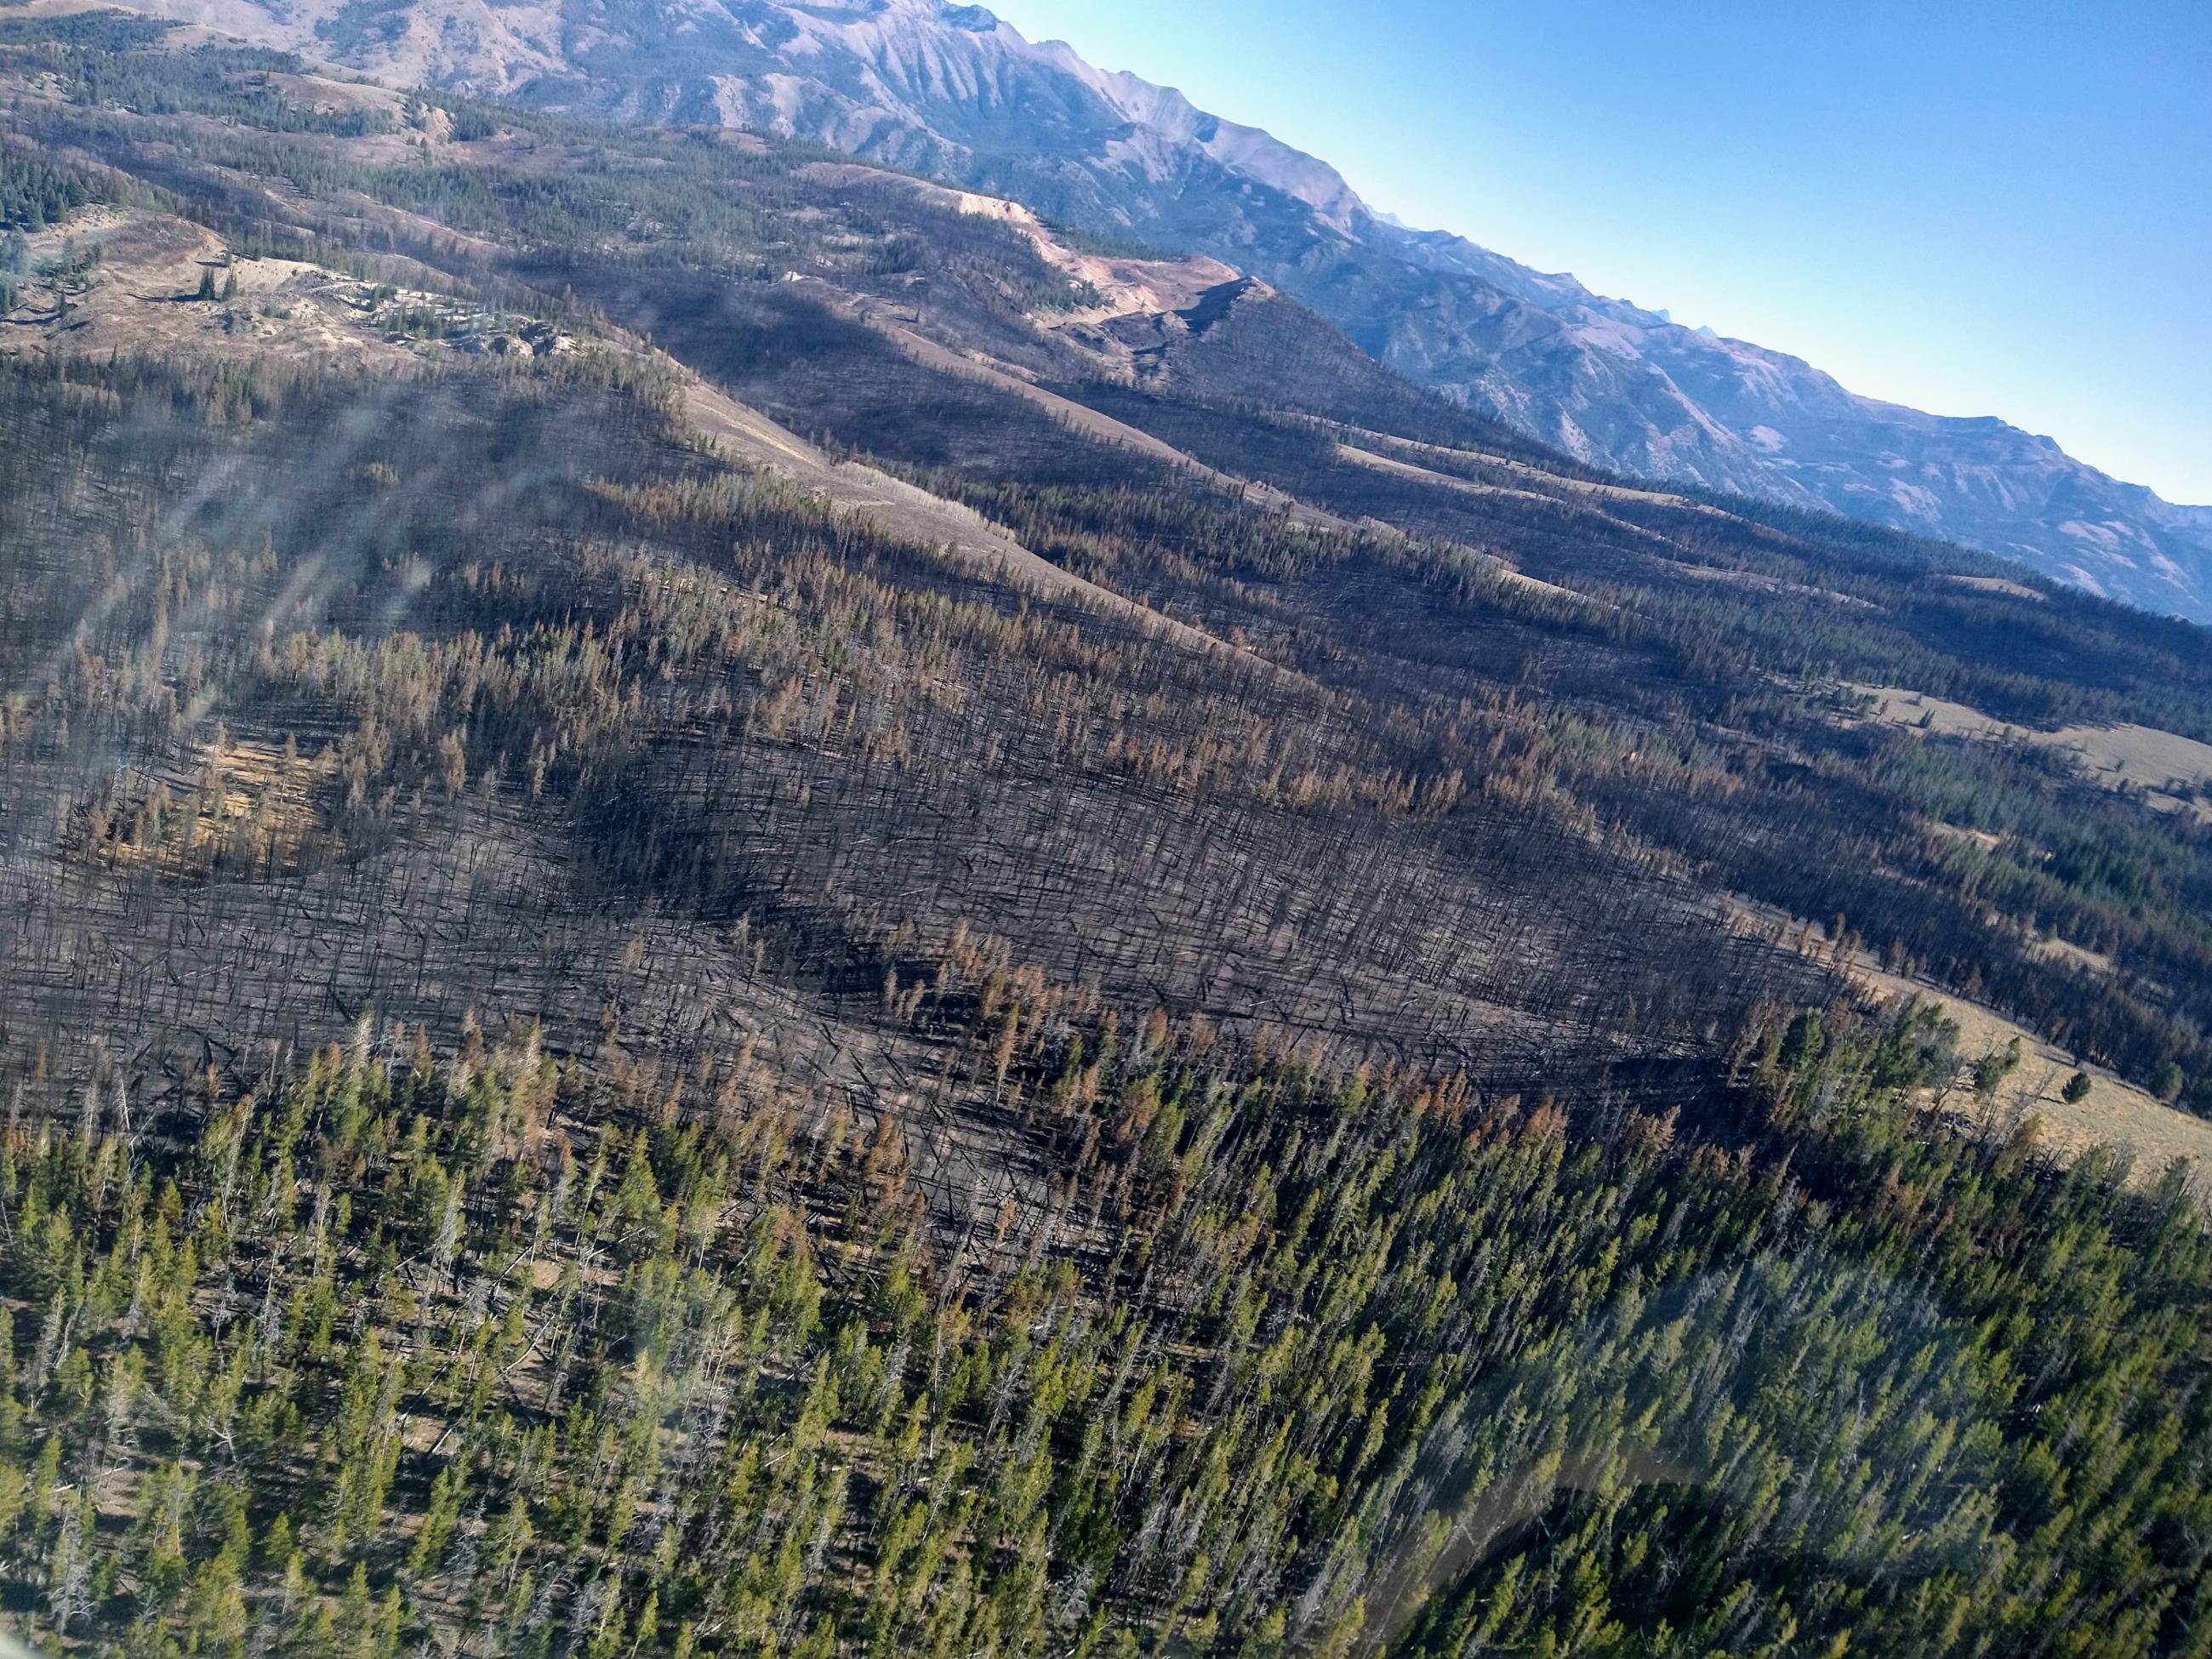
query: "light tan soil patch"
320, 92
142, 296
1551, 481
1367, 458
753, 439
1996, 585
1981, 838
1086, 420
2115, 1113
2129, 757
253, 798
1373, 462
1125, 287
2076, 956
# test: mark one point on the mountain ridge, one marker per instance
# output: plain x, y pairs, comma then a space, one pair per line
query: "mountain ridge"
958, 93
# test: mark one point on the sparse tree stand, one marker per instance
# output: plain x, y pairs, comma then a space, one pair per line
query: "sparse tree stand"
206, 283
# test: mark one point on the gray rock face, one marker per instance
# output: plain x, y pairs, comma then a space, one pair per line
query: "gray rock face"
953, 91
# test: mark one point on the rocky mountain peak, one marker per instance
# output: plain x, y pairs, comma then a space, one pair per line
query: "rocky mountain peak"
956, 91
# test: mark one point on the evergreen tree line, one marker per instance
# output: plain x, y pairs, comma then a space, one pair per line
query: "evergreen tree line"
510, 1353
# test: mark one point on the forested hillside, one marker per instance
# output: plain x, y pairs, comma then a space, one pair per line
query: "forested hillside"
744, 909
494, 1352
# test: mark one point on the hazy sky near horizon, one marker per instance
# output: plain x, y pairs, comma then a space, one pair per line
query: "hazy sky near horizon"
1976, 207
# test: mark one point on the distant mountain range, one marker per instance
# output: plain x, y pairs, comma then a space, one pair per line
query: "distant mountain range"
955, 92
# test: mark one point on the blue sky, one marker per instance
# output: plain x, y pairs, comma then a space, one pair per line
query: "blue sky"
1972, 206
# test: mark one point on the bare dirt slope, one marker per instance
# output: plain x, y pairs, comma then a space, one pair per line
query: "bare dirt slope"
1083, 418
751, 439
2115, 1113
1998, 585
1555, 481
1396, 468
1125, 285
1468, 487
2167, 767
141, 294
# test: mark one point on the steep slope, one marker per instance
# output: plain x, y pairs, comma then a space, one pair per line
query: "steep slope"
1168, 456
955, 91
747, 911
